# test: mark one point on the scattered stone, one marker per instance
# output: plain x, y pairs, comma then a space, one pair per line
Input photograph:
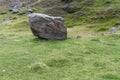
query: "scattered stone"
15, 11
113, 30
30, 11
47, 27
69, 8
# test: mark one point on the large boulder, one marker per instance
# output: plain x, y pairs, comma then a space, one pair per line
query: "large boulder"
47, 27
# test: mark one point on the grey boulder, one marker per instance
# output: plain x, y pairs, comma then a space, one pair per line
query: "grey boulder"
47, 27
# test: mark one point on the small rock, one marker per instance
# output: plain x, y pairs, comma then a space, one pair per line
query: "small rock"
70, 8
30, 11
113, 30
15, 11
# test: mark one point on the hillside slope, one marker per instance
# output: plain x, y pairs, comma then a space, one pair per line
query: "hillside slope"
100, 14
87, 54
105, 12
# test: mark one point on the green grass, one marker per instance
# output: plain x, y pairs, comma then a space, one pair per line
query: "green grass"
87, 54
24, 57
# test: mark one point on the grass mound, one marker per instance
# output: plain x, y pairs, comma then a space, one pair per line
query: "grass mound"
38, 67
58, 62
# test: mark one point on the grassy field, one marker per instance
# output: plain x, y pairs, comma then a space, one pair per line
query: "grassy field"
87, 54
24, 57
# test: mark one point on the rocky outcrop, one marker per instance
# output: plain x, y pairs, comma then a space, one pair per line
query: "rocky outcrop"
47, 27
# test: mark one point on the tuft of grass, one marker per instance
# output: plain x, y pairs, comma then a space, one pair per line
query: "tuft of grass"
109, 76
38, 67
58, 62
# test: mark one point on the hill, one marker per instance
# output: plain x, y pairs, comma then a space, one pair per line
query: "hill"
101, 14
88, 53
105, 12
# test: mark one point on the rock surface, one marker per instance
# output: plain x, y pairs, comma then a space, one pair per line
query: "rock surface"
47, 27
